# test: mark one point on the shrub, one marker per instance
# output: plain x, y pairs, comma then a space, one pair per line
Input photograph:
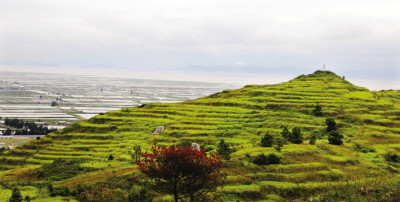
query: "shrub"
267, 140
392, 158
60, 169
100, 192
279, 143
331, 124
261, 159
224, 149
110, 157
16, 196
313, 139
136, 153
363, 149
273, 159
285, 133
335, 138
317, 111
296, 136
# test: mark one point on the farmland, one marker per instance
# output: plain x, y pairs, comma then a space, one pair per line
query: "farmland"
369, 122
29, 96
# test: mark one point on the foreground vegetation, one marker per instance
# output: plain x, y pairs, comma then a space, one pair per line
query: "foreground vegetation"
279, 143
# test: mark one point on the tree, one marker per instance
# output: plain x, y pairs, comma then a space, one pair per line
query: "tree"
110, 157
267, 140
296, 136
279, 143
261, 159
27, 198
181, 172
331, 124
15, 196
136, 153
335, 138
313, 139
224, 149
317, 111
285, 133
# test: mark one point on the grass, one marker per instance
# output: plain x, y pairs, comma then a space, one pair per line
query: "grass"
370, 122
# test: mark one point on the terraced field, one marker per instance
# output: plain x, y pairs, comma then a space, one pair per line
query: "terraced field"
369, 121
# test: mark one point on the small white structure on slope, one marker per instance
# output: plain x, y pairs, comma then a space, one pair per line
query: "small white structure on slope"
158, 130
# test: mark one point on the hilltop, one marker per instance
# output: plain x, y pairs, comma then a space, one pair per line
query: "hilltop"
369, 121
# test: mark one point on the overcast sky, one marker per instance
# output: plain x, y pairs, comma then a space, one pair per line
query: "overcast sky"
359, 39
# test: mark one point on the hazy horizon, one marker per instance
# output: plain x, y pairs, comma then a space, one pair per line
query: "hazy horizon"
238, 79
225, 41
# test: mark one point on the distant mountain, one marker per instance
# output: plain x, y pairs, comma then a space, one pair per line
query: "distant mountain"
370, 153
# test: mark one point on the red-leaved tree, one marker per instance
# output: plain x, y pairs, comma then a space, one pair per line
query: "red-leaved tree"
182, 172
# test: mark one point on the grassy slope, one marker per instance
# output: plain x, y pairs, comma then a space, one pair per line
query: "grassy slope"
240, 117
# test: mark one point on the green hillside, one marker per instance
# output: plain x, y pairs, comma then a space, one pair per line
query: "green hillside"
369, 121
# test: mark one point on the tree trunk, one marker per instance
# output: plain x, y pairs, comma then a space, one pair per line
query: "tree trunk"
175, 191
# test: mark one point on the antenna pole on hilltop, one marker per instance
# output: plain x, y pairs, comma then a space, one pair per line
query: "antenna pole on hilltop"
324, 67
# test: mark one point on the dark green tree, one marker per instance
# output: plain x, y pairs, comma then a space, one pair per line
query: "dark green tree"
15, 196
331, 124
110, 157
285, 133
27, 198
267, 140
335, 138
273, 159
224, 149
392, 158
313, 139
317, 111
261, 159
296, 136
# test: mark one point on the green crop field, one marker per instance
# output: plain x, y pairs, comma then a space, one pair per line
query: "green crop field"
369, 122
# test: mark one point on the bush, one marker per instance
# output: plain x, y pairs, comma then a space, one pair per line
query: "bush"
279, 143
60, 169
335, 138
261, 159
285, 133
331, 124
27, 198
267, 140
224, 149
273, 159
313, 139
110, 157
296, 136
392, 158
16, 196
363, 149
317, 111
